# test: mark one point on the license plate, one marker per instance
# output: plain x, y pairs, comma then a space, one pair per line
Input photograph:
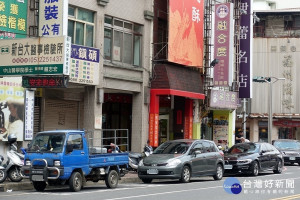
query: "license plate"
228, 167
152, 171
292, 158
37, 178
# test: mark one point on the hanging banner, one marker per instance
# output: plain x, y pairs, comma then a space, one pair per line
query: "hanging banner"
185, 41
29, 115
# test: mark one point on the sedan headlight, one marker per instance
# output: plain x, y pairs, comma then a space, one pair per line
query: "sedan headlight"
173, 163
57, 163
141, 163
27, 162
244, 162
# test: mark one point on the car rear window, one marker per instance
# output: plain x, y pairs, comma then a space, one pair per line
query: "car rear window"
287, 145
244, 148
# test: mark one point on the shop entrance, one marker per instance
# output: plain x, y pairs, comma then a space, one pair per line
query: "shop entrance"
163, 128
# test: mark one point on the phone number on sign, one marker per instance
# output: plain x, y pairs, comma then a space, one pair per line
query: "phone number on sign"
41, 59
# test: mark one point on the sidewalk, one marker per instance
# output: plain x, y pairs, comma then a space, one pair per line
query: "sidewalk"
25, 184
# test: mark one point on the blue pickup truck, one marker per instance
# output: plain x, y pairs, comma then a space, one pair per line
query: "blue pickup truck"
65, 157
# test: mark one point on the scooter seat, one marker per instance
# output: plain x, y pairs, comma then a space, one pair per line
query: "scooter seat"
135, 155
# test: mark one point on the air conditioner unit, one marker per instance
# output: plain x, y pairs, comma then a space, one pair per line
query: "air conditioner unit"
288, 18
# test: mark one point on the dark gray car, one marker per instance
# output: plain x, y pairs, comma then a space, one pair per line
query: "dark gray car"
182, 159
290, 150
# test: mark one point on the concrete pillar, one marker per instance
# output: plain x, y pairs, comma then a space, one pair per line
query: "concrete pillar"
139, 122
254, 131
92, 111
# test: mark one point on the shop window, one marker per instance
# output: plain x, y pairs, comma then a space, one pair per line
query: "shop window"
122, 41
263, 134
81, 26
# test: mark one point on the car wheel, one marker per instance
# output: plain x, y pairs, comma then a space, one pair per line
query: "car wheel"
254, 169
292, 163
185, 174
75, 182
146, 180
298, 163
279, 166
219, 172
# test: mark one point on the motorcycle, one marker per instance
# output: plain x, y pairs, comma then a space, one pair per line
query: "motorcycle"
15, 160
135, 158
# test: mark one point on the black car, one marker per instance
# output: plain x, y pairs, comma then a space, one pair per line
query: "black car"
290, 150
252, 158
182, 159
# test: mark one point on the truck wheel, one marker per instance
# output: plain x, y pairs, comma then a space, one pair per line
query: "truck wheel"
14, 174
39, 185
75, 182
112, 179
3, 175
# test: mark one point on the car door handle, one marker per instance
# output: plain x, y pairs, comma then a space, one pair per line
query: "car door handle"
82, 152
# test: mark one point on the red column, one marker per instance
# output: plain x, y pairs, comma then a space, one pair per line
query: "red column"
188, 119
153, 119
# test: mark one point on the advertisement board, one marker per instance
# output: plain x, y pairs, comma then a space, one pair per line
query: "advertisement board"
53, 17
35, 56
11, 108
185, 41
84, 66
13, 19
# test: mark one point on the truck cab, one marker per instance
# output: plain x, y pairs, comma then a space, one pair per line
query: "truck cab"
64, 157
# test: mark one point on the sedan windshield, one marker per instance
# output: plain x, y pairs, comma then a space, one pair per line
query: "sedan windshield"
172, 148
47, 143
244, 148
291, 145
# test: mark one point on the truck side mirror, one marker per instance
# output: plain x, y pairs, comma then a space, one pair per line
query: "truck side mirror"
69, 148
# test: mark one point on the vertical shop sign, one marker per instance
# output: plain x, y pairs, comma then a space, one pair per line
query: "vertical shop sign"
223, 44
245, 57
53, 17
29, 115
13, 19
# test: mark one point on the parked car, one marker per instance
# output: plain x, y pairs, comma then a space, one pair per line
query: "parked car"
252, 158
290, 150
182, 159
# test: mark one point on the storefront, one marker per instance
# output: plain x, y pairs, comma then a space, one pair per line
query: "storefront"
174, 94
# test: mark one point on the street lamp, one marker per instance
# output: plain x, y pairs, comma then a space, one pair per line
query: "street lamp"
270, 119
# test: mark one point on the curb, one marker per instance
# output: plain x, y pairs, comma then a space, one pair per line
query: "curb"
27, 185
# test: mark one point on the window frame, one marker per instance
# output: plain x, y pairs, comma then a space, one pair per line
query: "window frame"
75, 20
124, 31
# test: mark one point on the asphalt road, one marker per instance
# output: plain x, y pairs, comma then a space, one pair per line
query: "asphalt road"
267, 185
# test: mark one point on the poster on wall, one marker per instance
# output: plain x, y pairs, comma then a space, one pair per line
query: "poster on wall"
11, 108
220, 129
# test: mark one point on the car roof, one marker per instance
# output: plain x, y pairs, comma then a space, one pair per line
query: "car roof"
189, 140
61, 131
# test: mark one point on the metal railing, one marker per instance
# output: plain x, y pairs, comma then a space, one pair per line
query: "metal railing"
107, 136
